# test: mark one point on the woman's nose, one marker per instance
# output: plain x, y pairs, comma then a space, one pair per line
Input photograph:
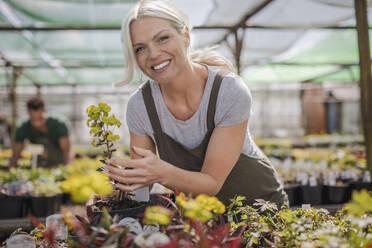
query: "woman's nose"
154, 52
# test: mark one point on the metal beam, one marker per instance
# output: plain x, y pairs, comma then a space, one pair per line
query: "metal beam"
18, 70
331, 71
68, 64
76, 64
365, 76
209, 27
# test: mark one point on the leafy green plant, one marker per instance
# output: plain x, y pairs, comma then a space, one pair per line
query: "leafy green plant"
101, 126
197, 222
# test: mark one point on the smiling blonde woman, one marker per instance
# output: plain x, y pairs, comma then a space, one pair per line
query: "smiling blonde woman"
194, 110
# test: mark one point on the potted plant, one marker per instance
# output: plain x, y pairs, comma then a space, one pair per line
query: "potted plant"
119, 203
13, 200
45, 198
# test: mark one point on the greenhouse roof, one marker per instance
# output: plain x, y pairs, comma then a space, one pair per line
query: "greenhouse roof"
77, 42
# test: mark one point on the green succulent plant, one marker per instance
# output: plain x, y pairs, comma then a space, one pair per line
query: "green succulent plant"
101, 124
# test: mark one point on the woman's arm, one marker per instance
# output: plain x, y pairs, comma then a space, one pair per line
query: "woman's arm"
144, 142
222, 153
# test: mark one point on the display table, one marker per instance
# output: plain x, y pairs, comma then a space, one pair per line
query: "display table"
25, 223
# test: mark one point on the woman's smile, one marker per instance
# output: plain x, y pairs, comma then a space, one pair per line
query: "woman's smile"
162, 66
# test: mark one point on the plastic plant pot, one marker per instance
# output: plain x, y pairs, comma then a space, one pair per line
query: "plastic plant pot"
312, 194
335, 194
136, 212
361, 185
12, 207
44, 206
293, 193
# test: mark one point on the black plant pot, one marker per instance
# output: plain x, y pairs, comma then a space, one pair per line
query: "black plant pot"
44, 206
65, 198
12, 207
336, 194
136, 212
361, 185
294, 195
312, 194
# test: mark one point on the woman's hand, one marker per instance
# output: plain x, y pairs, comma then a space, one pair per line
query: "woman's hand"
135, 173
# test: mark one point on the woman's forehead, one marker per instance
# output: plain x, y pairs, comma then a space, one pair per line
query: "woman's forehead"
147, 27
149, 22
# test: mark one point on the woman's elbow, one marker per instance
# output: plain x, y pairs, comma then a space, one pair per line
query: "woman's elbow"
215, 186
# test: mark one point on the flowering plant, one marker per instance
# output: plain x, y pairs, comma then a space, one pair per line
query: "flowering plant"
197, 222
100, 123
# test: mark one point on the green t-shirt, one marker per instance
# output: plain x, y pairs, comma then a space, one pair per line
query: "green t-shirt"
50, 139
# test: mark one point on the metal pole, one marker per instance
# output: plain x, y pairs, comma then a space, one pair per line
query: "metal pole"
365, 76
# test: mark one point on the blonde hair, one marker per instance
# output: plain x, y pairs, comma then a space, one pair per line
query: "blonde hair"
164, 9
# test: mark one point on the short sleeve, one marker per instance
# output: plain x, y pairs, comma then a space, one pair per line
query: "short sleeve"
62, 129
234, 102
21, 133
136, 114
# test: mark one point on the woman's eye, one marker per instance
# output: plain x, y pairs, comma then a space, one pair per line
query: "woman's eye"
139, 49
163, 38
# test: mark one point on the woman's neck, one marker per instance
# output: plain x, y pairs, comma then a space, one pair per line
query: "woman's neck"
183, 95
190, 82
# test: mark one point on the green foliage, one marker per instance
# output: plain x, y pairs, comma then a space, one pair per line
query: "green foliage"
350, 227
361, 204
253, 226
101, 123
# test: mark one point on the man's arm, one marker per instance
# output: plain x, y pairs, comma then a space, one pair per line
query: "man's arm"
17, 148
64, 143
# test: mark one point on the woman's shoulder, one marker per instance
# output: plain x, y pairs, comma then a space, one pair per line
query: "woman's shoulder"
228, 76
234, 101
232, 84
136, 97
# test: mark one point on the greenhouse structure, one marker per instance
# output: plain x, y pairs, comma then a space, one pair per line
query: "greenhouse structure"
307, 67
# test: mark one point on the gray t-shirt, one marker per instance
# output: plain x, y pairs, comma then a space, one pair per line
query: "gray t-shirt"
233, 106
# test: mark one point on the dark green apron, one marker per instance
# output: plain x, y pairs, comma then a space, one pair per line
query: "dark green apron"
251, 177
54, 154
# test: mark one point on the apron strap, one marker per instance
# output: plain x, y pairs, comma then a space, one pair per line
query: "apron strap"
213, 98
153, 115
151, 109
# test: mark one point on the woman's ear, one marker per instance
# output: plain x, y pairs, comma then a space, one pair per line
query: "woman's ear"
186, 34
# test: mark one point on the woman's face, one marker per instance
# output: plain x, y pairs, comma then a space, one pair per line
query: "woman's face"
160, 50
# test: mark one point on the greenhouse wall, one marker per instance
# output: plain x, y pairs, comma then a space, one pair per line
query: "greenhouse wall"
277, 110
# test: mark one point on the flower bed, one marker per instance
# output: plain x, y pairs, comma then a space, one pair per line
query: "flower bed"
323, 175
205, 222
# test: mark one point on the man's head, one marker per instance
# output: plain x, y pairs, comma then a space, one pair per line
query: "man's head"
36, 111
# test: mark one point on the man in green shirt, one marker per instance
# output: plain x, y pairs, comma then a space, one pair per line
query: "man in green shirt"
50, 132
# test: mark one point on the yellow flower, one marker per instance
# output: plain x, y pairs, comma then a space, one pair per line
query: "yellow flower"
104, 107
111, 137
196, 211
91, 109
157, 215
68, 218
100, 183
211, 203
82, 195
181, 199
95, 131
